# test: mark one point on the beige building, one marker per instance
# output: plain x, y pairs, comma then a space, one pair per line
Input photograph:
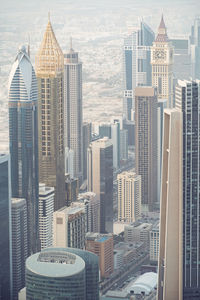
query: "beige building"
170, 248
162, 65
102, 245
50, 73
69, 227
146, 144
129, 196
137, 232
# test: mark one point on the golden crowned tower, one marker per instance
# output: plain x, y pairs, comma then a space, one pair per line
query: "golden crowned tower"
162, 65
50, 73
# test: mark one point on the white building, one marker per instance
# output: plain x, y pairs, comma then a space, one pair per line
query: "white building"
69, 227
138, 232
92, 210
115, 137
19, 244
46, 209
129, 196
69, 162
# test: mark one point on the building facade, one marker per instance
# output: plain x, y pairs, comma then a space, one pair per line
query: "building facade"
5, 228
100, 179
195, 49
46, 209
19, 244
154, 243
50, 78
146, 143
23, 134
55, 274
73, 109
102, 246
69, 227
129, 196
87, 138
162, 65
136, 66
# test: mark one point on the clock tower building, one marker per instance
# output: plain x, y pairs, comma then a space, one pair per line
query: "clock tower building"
162, 65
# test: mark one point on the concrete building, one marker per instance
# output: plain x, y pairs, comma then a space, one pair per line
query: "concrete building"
146, 144
92, 210
125, 253
170, 270
162, 65
50, 76
46, 209
69, 162
102, 245
19, 244
137, 232
136, 64
154, 243
100, 179
73, 108
53, 268
5, 229
129, 196
69, 227
23, 139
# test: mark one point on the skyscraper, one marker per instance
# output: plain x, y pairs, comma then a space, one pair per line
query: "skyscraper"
129, 196
136, 67
73, 109
5, 229
23, 133
195, 49
146, 143
115, 137
87, 137
50, 77
46, 209
100, 179
188, 101
162, 65
19, 244
170, 245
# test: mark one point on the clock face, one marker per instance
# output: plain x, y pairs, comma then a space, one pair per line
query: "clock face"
159, 54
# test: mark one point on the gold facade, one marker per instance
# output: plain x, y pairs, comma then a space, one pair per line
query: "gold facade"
50, 73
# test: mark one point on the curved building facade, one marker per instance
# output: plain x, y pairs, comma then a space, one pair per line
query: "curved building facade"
55, 274
23, 134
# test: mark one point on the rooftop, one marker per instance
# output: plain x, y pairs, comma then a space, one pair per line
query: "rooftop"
55, 262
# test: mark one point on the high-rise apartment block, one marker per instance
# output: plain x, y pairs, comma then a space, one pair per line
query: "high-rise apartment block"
100, 179
146, 143
5, 229
162, 65
69, 227
50, 77
102, 245
136, 67
129, 196
154, 243
188, 101
23, 133
73, 109
46, 209
19, 244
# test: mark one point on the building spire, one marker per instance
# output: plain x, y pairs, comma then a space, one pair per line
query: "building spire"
162, 32
71, 43
49, 16
162, 23
29, 52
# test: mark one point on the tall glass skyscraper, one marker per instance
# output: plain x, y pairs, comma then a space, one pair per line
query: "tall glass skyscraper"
137, 67
188, 101
23, 133
5, 229
195, 49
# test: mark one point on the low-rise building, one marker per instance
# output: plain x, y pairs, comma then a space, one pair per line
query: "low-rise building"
137, 232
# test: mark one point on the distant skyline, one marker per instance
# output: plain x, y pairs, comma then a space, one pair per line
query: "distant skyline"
98, 29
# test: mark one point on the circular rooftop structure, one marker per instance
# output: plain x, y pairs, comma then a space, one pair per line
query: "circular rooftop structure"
55, 263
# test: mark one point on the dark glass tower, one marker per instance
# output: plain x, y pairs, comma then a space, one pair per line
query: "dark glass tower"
188, 100
23, 133
5, 229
